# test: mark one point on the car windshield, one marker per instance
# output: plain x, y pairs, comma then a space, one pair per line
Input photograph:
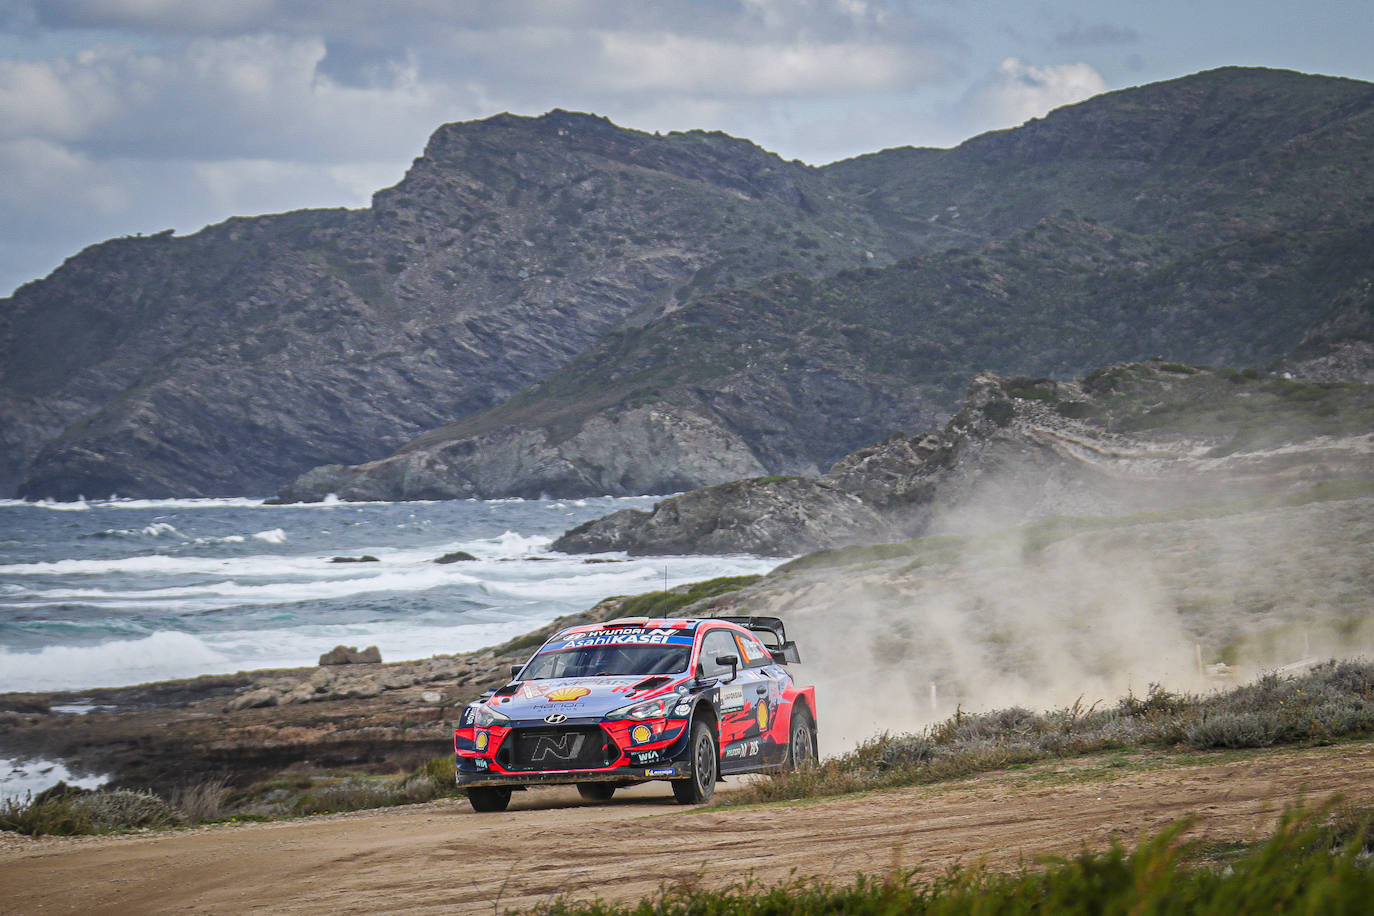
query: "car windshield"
589, 661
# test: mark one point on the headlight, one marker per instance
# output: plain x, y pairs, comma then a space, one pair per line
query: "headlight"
649, 709
485, 716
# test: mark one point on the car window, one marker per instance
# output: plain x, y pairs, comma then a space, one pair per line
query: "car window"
715, 644
587, 661
752, 654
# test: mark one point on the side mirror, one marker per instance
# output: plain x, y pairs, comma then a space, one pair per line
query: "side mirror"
515, 670
732, 661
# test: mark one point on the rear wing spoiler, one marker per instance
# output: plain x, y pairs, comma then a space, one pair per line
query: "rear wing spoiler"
783, 651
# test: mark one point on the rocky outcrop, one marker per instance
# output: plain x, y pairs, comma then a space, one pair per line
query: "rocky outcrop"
1125, 438
768, 516
251, 725
349, 655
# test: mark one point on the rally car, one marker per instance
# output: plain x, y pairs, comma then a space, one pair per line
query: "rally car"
612, 704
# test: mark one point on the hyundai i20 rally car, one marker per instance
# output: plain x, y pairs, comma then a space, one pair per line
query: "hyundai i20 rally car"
607, 705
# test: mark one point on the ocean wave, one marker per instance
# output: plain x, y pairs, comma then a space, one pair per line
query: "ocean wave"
230, 593
110, 664
169, 654
273, 536
22, 777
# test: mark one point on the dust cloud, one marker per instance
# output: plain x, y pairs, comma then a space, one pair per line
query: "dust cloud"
1076, 611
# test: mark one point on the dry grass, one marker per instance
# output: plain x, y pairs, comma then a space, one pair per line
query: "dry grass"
1334, 700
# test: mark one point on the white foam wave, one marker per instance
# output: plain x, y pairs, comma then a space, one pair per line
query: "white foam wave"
168, 655
273, 536
228, 593
19, 778
110, 664
79, 505
207, 502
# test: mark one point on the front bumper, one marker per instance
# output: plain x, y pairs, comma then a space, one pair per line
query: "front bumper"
659, 754
680, 769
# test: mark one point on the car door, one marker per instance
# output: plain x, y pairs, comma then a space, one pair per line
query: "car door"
742, 701
771, 682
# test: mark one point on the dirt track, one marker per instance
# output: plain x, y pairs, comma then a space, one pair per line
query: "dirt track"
443, 858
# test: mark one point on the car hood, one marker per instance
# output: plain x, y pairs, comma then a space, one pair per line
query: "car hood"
579, 697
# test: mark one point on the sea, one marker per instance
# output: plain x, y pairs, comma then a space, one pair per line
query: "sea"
116, 592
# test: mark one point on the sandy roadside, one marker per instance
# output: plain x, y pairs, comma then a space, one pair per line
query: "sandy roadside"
441, 857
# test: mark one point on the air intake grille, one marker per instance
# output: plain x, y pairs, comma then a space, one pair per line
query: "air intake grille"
582, 748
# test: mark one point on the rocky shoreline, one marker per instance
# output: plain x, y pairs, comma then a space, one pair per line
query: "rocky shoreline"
253, 725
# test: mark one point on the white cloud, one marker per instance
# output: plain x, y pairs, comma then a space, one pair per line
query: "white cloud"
1017, 91
686, 65
136, 115
244, 97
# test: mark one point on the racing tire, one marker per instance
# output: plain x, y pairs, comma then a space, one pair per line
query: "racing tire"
596, 791
801, 741
699, 788
489, 798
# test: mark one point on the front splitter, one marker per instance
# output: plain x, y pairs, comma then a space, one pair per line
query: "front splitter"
680, 770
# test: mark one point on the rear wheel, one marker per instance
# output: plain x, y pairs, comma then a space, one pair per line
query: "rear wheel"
489, 798
801, 742
596, 791
702, 784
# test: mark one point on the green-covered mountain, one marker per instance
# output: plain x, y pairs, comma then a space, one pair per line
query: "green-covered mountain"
694, 309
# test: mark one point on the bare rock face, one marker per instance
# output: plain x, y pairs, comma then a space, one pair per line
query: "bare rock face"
230, 360
767, 516
349, 655
642, 450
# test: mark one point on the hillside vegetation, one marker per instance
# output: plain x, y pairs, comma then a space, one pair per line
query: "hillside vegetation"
1217, 218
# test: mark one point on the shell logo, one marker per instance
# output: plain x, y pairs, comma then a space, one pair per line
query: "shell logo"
482, 741
763, 716
567, 694
641, 733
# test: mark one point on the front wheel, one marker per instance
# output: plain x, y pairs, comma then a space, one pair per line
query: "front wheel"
801, 742
702, 784
596, 791
489, 798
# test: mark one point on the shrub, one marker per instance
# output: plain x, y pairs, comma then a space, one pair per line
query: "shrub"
203, 801
48, 817
1230, 729
87, 812
125, 809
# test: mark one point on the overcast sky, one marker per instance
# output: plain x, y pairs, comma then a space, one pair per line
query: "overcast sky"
133, 116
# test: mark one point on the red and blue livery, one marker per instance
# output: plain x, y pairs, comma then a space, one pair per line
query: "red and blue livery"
613, 704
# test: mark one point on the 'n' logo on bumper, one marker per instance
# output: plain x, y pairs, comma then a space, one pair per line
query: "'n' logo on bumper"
556, 747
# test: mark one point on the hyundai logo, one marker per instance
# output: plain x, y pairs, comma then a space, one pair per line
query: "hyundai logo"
555, 718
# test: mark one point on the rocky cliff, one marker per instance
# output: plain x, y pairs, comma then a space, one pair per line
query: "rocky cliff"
237, 357
1124, 439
